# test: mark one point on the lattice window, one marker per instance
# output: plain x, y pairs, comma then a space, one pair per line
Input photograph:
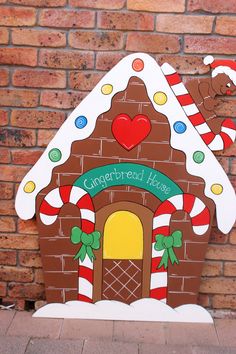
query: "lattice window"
122, 280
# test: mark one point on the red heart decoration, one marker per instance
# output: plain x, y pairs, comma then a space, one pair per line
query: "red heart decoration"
130, 132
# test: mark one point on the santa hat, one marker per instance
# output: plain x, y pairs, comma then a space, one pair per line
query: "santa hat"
227, 67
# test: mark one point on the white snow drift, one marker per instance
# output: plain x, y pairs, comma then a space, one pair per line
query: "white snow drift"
140, 310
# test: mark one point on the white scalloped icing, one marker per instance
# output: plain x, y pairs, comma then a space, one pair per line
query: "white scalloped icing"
96, 103
139, 310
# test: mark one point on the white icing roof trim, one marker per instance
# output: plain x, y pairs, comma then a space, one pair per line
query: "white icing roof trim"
210, 170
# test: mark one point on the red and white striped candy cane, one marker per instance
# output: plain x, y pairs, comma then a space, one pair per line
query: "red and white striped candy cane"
200, 219
215, 142
49, 211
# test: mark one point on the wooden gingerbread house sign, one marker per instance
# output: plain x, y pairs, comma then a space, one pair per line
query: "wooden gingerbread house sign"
126, 191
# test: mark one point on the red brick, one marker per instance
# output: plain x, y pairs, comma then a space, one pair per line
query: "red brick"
25, 157
18, 56
19, 98
98, 4
42, 38
6, 190
212, 6
3, 117
184, 24
67, 18
84, 81
27, 227
106, 60
233, 181
3, 289
60, 99
45, 136
22, 275
4, 77
233, 167
230, 269
125, 21
39, 78
17, 16
157, 6
217, 236
212, 269
224, 302
203, 300
96, 40
27, 291
8, 257
38, 276
184, 64
225, 163
66, 59
204, 44
19, 242
5, 156
17, 137
222, 253
226, 25
4, 36
37, 119
13, 173
7, 207
232, 236
152, 43
7, 223
39, 3
30, 259
218, 285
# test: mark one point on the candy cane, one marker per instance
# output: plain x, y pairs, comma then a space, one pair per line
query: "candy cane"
49, 211
200, 219
215, 142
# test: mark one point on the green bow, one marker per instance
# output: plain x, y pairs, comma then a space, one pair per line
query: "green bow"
89, 242
167, 243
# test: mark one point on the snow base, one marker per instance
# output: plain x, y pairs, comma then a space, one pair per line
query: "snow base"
140, 310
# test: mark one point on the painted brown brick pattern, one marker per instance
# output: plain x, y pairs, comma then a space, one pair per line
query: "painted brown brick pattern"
82, 51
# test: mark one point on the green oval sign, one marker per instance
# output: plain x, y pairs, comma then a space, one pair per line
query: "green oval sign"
96, 180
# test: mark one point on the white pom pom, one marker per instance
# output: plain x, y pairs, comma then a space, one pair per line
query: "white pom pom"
208, 60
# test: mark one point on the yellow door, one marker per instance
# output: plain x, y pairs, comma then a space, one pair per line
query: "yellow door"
122, 257
123, 236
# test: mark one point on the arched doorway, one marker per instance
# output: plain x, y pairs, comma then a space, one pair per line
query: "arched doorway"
122, 257
122, 265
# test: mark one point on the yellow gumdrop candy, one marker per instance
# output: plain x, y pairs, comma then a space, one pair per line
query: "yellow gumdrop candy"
160, 98
107, 89
217, 189
29, 187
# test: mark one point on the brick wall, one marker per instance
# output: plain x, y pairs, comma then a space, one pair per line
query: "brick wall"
52, 53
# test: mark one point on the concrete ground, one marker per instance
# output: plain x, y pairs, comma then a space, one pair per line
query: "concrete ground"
20, 333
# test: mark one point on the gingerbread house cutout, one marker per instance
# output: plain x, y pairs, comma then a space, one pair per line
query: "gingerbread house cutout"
125, 194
